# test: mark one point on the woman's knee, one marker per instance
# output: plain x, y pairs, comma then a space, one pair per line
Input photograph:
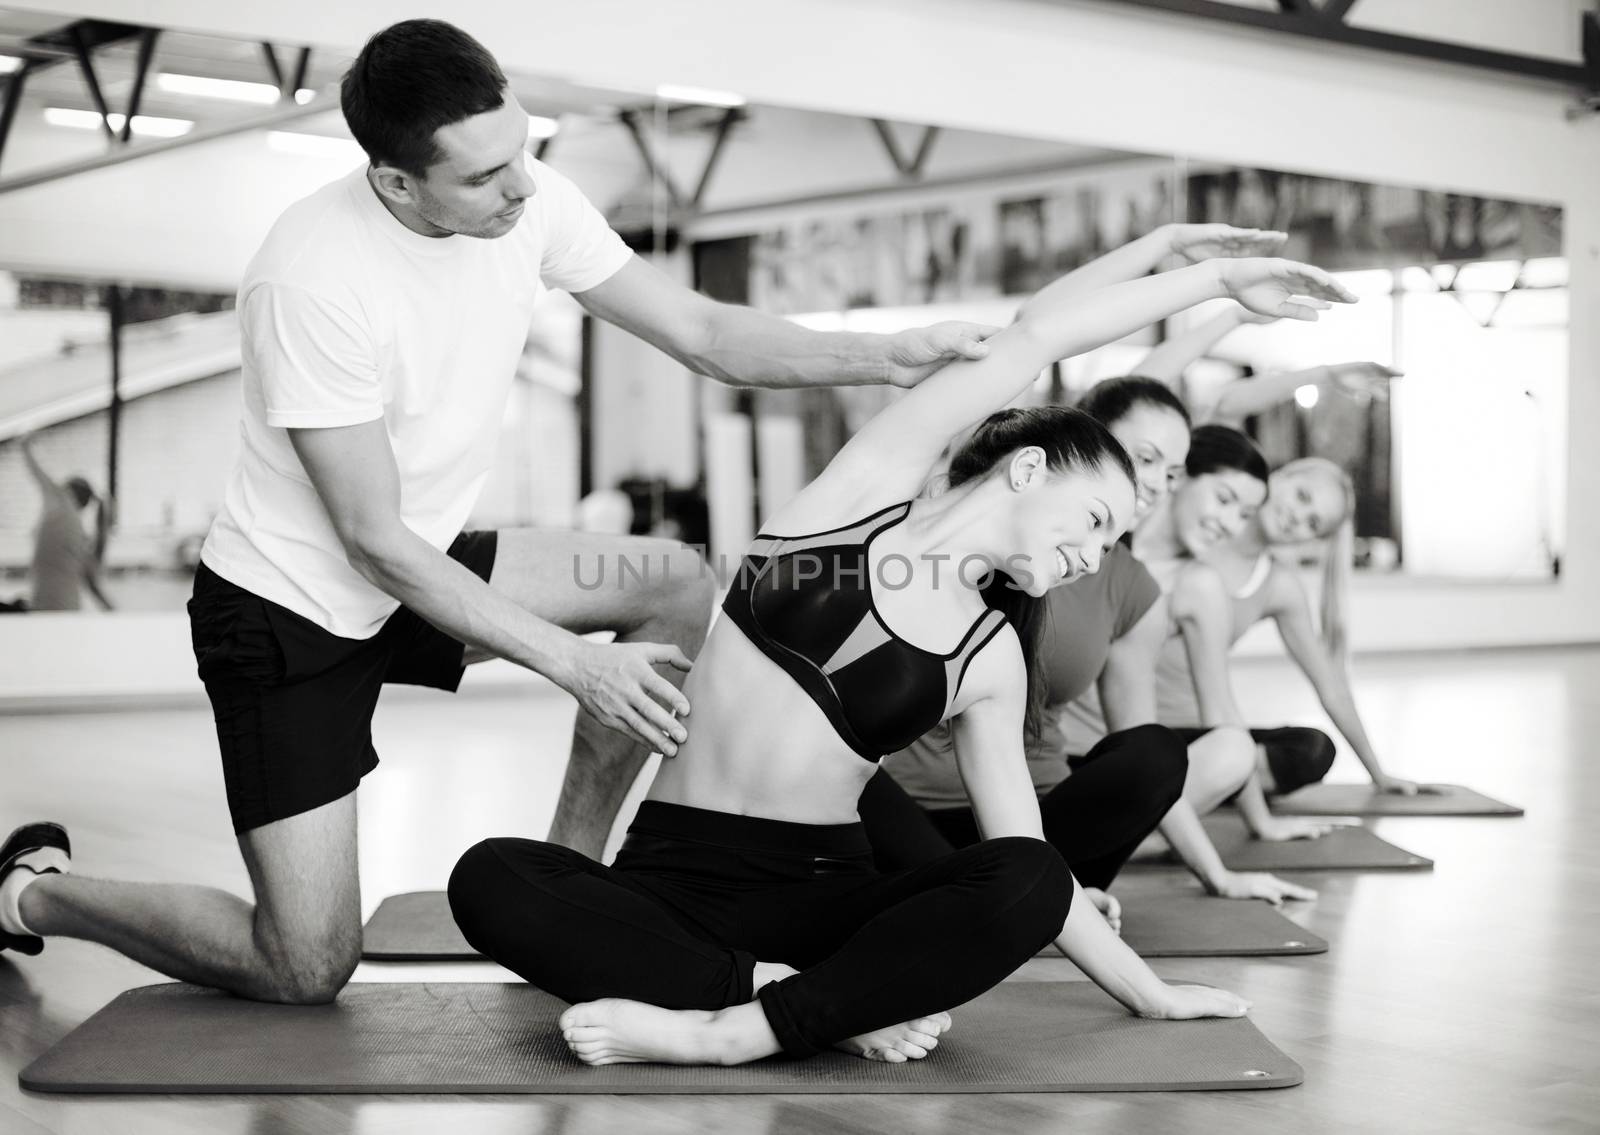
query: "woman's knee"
1298, 756
1034, 891
480, 882
1158, 763
1224, 758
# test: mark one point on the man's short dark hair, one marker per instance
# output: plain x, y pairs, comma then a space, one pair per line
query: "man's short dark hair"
409, 80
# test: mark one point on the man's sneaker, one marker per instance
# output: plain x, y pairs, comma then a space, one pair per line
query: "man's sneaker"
28, 842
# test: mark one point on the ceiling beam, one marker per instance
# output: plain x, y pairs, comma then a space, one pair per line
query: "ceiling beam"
324, 102
1294, 18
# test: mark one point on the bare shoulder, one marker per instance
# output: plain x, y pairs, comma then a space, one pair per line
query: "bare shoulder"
1199, 587
828, 502
1284, 590
995, 673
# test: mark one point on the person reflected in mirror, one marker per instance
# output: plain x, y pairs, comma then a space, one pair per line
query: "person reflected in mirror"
67, 558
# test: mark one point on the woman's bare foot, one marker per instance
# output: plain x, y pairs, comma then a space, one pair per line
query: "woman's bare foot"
899, 1043
614, 1031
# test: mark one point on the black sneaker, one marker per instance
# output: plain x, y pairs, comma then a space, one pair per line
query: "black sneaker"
27, 838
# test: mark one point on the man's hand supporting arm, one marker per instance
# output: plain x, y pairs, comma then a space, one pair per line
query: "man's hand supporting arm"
744, 347
353, 471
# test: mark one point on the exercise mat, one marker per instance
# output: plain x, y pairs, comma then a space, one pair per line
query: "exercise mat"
415, 927
453, 1038
1363, 800
1343, 849
1199, 926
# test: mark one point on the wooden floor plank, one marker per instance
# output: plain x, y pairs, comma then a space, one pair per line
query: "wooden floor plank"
1464, 999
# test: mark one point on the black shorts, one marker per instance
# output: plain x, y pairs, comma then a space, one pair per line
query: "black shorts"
293, 702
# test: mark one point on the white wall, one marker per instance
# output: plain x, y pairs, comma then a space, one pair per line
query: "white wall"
1099, 76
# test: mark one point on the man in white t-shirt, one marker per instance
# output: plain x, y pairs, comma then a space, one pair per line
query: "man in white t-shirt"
382, 321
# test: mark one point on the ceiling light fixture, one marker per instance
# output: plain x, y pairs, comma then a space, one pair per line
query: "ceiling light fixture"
234, 90
699, 95
145, 124
9, 63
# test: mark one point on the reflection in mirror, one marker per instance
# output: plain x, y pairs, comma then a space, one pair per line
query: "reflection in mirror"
1457, 468
835, 221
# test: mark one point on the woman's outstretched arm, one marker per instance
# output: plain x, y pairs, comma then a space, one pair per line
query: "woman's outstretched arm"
1127, 694
989, 754
1139, 257
1168, 359
1292, 614
1240, 399
905, 439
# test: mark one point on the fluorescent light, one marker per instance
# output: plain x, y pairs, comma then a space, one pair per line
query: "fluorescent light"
148, 125
1488, 276
314, 145
264, 94
699, 95
1545, 272
304, 95
1307, 396
9, 63
540, 127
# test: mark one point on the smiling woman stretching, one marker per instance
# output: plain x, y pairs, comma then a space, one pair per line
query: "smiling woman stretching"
743, 917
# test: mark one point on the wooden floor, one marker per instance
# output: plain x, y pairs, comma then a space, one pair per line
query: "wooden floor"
1467, 999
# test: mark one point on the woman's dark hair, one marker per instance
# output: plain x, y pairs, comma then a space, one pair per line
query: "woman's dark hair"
1072, 441
409, 80
1109, 400
1213, 448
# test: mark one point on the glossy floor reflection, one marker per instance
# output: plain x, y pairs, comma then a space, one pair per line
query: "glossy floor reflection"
1462, 999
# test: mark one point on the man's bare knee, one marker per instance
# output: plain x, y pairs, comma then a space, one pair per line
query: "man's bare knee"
682, 596
310, 974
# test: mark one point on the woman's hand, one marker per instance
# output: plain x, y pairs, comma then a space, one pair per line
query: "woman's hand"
1107, 905
1207, 242
1269, 287
1258, 885
1189, 1002
1364, 380
1400, 786
1279, 829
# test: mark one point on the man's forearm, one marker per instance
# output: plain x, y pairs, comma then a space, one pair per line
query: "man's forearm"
750, 348
452, 598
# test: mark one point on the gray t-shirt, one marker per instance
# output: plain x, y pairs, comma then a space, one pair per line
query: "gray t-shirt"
1083, 619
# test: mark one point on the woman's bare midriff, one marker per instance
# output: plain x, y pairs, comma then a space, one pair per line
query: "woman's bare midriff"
758, 746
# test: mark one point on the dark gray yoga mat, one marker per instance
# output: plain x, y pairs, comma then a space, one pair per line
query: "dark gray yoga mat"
417, 927
1344, 849
1362, 800
1198, 926
448, 1038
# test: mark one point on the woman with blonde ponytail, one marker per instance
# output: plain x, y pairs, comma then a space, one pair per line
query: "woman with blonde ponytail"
1310, 502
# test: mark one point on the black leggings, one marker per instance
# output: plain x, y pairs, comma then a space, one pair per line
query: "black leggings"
1297, 755
1096, 818
697, 897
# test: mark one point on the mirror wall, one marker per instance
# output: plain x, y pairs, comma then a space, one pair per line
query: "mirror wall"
837, 222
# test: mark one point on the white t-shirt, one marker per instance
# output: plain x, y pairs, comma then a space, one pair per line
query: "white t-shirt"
347, 316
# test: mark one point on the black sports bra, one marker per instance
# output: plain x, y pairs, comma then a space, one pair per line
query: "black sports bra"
806, 603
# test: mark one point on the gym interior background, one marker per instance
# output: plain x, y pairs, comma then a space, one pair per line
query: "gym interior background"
866, 165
